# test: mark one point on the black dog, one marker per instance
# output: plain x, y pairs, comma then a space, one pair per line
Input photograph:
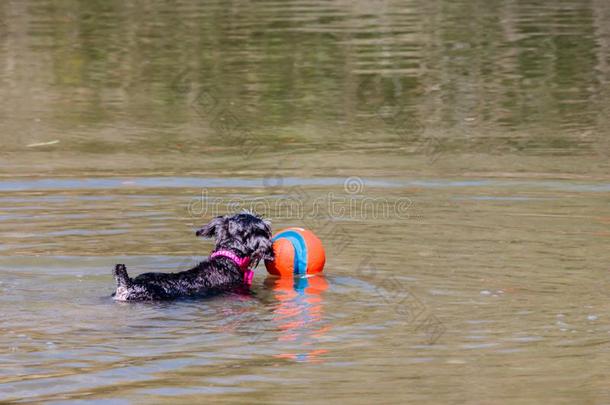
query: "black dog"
241, 240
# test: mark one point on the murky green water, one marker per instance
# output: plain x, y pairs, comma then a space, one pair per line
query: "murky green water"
452, 155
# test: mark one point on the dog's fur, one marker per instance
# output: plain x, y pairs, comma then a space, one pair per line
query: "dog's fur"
245, 235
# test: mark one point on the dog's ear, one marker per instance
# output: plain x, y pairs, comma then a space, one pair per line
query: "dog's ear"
212, 229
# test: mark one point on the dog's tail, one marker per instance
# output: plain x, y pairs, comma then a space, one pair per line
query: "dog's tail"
121, 277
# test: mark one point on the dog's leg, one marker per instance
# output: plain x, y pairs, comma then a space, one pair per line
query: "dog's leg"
130, 290
121, 277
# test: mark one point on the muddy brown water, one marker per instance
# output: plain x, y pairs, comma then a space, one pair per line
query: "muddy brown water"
452, 156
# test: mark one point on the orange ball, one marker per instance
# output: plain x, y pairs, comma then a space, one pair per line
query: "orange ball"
298, 252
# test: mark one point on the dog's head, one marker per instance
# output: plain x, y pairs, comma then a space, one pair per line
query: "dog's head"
246, 234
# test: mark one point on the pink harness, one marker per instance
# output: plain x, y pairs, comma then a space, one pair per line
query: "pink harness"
241, 262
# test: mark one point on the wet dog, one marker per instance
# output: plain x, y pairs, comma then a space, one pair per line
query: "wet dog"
242, 240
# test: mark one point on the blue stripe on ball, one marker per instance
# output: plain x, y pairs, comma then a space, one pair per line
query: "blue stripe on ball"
300, 250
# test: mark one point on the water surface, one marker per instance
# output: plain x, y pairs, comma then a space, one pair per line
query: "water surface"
452, 155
